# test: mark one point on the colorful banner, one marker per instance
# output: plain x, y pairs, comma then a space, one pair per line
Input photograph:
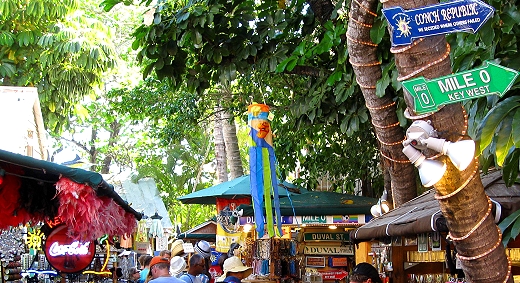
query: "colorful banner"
262, 165
228, 223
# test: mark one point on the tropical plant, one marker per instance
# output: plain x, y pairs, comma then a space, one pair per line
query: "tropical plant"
45, 44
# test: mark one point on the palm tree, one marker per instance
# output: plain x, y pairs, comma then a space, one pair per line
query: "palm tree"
460, 193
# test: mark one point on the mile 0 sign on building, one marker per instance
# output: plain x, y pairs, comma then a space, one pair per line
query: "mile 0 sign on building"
68, 255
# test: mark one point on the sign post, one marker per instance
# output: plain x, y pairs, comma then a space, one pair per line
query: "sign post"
447, 17
334, 274
488, 79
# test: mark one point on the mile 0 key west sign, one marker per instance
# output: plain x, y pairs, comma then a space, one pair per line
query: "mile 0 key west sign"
447, 17
488, 79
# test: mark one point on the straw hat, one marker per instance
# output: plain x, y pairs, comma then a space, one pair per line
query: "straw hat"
203, 248
177, 247
177, 265
234, 264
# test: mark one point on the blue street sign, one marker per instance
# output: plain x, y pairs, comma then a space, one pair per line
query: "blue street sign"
447, 17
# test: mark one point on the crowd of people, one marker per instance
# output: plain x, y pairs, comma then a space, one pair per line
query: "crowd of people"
167, 269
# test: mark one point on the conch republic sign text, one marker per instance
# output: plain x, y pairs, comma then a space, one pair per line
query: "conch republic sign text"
447, 17
488, 79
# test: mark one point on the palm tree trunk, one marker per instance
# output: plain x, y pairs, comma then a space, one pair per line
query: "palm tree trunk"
232, 150
220, 146
461, 194
366, 65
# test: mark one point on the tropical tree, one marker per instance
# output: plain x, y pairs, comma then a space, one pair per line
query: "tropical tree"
45, 44
196, 34
460, 193
203, 43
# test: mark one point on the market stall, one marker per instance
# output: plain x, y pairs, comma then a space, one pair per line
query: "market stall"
316, 226
409, 242
49, 212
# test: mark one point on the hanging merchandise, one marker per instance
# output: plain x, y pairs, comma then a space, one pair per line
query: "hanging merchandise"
141, 235
264, 184
89, 216
10, 244
156, 229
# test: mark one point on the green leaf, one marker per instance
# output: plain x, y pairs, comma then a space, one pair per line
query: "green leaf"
510, 169
344, 124
217, 56
504, 224
491, 122
504, 139
81, 111
292, 64
515, 131
7, 69
198, 37
487, 34
334, 77
378, 30
281, 67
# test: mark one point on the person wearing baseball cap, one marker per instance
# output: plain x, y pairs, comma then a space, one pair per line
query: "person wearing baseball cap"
160, 270
364, 273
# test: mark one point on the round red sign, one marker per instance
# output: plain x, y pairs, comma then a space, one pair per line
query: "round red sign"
66, 254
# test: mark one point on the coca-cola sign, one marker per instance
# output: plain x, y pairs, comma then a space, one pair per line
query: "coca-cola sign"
66, 254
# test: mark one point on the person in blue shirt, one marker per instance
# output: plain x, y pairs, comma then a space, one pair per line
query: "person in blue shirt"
144, 260
234, 270
160, 270
197, 266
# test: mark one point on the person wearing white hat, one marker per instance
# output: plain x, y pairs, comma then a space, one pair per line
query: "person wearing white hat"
203, 248
234, 270
177, 266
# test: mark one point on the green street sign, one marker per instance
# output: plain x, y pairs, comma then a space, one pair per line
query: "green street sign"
324, 236
488, 79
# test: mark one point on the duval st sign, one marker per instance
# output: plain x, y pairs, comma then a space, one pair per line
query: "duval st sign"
328, 250
447, 17
324, 236
488, 79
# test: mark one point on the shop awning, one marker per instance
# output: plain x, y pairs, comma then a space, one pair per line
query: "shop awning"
236, 188
195, 236
422, 214
30, 186
320, 203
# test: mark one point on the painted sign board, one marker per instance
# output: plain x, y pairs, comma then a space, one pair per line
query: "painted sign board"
488, 79
335, 261
353, 219
443, 18
315, 261
327, 250
66, 254
326, 237
334, 275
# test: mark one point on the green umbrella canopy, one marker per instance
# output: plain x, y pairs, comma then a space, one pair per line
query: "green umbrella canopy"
320, 203
236, 188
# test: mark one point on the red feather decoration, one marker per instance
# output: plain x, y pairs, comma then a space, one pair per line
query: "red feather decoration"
88, 216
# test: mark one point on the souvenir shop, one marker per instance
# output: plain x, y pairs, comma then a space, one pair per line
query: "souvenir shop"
313, 248
408, 244
55, 222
